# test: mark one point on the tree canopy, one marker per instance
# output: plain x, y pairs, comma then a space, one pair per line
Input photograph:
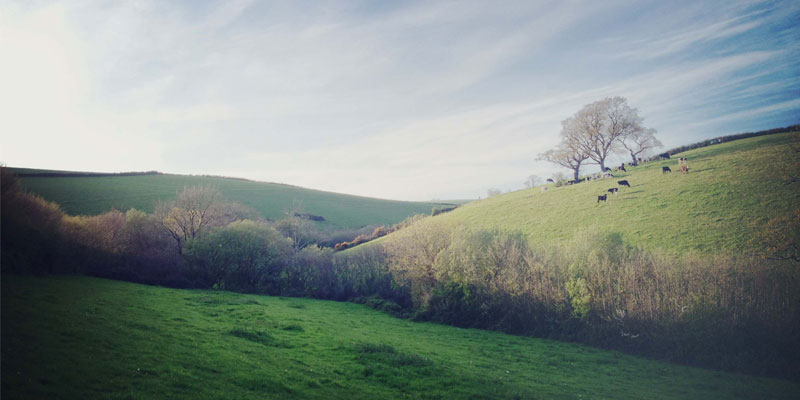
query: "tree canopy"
599, 130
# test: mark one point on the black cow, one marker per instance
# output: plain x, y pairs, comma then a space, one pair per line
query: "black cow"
624, 183
549, 180
607, 169
613, 190
664, 156
664, 170
601, 198
622, 168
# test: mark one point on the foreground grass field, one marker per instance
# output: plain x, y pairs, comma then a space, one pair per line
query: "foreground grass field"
79, 337
720, 206
96, 195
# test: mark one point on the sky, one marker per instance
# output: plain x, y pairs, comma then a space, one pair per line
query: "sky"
400, 100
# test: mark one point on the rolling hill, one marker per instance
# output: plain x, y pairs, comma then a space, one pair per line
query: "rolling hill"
720, 206
91, 195
81, 337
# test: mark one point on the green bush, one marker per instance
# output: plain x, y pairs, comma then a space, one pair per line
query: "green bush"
242, 256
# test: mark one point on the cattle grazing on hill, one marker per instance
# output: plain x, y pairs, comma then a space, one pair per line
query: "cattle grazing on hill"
640, 161
608, 175
685, 169
622, 168
664, 156
601, 198
613, 190
544, 189
664, 170
550, 180
623, 183
682, 160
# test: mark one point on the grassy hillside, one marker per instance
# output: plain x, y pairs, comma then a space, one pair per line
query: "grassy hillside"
720, 206
95, 195
78, 337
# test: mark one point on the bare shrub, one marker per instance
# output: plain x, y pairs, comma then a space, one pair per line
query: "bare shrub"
412, 254
195, 209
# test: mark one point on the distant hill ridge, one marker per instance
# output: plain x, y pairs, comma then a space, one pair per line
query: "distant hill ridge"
91, 193
23, 172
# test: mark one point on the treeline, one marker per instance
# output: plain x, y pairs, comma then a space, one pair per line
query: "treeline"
733, 313
727, 138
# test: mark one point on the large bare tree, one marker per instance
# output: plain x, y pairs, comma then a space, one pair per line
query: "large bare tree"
598, 128
639, 141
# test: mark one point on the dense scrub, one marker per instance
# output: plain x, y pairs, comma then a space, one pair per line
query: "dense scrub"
197, 241
737, 313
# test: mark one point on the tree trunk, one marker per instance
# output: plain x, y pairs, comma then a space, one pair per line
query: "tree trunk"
577, 172
633, 156
603, 164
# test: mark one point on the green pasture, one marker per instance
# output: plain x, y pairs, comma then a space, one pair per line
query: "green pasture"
83, 338
96, 195
720, 206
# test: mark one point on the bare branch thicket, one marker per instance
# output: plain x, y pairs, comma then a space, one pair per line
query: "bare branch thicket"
194, 209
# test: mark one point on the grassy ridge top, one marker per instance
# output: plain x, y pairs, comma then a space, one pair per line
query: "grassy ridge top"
95, 195
79, 337
721, 205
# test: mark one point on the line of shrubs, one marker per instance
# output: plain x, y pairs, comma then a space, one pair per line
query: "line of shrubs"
363, 238
383, 230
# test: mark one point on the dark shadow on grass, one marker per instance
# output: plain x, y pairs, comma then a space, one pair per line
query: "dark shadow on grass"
261, 337
390, 356
293, 327
392, 367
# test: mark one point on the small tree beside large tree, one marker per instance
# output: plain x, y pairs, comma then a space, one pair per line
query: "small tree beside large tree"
566, 156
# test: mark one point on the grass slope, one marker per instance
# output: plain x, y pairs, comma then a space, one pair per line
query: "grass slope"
732, 189
79, 337
95, 195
